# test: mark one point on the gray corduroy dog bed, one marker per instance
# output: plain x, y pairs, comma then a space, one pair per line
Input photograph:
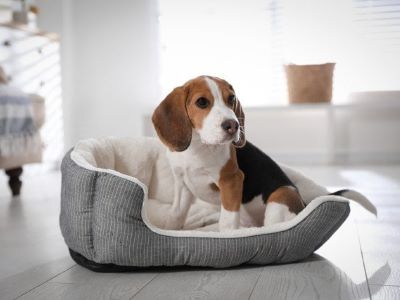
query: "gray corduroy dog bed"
109, 222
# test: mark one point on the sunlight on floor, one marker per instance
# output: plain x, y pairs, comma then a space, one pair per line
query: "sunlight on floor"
369, 179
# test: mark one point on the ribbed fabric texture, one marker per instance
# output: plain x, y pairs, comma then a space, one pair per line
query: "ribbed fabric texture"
101, 219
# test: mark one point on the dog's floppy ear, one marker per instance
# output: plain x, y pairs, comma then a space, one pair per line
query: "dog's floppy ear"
237, 108
171, 121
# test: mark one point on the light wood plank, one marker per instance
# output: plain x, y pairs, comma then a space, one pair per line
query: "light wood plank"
29, 225
343, 251
384, 198
318, 279
229, 284
337, 271
49, 291
80, 275
16, 285
80, 283
380, 292
380, 240
383, 268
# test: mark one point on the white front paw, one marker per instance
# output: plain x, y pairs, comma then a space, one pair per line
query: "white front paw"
228, 220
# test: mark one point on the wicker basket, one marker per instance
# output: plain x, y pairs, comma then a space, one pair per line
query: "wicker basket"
309, 83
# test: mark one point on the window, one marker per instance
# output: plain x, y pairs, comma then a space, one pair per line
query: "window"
247, 42
377, 48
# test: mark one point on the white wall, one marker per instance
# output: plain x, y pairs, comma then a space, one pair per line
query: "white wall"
323, 134
110, 64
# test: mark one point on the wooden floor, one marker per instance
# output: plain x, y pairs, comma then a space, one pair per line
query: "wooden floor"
361, 260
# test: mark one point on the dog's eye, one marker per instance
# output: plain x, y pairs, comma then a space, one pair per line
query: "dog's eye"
231, 100
202, 102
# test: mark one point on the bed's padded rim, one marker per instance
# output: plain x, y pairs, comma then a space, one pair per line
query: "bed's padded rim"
98, 223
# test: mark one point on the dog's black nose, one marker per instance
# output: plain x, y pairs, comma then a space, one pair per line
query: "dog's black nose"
230, 126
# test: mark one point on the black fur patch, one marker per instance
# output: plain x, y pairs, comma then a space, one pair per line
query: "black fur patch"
262, 176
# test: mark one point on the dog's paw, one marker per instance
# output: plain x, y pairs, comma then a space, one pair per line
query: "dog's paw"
228, 220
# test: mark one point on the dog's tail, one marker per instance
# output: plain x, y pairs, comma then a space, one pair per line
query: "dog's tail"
359, 198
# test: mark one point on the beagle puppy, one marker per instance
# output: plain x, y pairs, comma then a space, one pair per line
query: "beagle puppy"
202, 125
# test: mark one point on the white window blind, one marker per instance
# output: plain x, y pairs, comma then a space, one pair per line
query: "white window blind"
378, 28
247, 42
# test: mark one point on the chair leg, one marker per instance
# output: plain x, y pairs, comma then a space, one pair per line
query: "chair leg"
14, 182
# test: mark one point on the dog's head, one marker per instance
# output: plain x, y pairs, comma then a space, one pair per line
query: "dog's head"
206, 105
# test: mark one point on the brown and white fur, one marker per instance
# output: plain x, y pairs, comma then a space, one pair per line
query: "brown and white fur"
202, 123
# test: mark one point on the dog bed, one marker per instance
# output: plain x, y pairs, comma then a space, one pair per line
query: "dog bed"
115, 192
